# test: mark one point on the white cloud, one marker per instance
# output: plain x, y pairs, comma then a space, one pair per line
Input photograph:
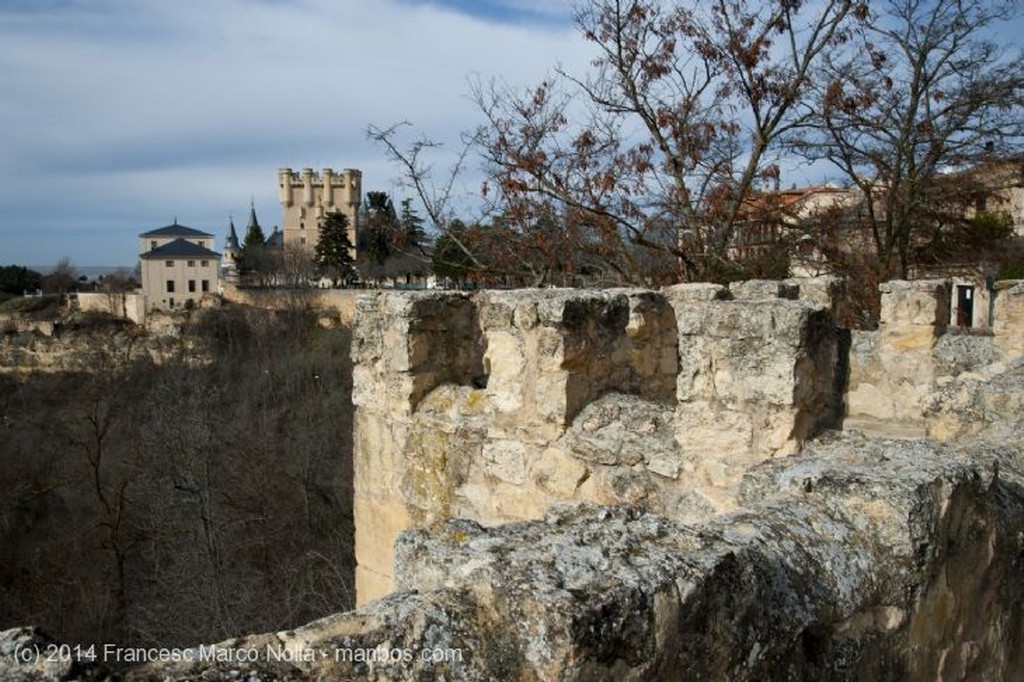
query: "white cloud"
125, 113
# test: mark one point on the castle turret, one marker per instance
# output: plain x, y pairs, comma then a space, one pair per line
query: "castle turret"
352, 188
328, 195
307, 186
284, 186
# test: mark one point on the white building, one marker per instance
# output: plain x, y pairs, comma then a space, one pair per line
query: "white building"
178, 265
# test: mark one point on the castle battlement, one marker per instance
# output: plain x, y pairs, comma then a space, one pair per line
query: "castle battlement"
307, 196
496, 405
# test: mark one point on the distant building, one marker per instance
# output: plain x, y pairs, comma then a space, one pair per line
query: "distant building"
307, 197
178, 265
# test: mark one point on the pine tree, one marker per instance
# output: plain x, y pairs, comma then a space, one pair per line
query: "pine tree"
254, 236
413, 235
333, 254
252, 257
381, 225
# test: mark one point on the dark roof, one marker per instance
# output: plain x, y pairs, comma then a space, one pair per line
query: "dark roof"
252, 218
276, 238
179, 248
232, 240
175, 230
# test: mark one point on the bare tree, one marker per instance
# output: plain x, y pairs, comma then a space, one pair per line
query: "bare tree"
438, 196
62, 278
662, 145
922, 90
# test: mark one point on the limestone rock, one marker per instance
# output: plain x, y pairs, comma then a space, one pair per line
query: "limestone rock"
987, 405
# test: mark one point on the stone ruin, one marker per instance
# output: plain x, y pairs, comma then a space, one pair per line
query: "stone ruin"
494, 406
694, 483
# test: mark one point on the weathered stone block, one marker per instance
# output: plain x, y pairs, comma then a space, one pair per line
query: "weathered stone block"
763, 289
1008, 320
506, 461
378, 523
696, 291
917, 302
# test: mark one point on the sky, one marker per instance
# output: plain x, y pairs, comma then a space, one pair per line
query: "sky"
120, 116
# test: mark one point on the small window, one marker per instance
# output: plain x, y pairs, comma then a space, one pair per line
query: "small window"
302, 226
205, 263
170, 303
191, 263
152, 245
302, 240
206, 285
169, 263
170, 286
191, 286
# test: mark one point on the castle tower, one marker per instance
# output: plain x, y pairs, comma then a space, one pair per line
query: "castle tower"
307, 197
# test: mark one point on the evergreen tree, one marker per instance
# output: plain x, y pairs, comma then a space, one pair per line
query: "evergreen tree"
252, 257
413, 235
450, 260
381, 226
254, 236
16, 279
333, 254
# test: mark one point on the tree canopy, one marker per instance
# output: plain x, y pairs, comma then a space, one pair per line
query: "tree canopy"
17, 279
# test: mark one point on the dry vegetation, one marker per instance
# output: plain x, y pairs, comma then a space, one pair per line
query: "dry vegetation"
182, 502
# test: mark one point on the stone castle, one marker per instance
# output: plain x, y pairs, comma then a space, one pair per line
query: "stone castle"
308, 196
699, 482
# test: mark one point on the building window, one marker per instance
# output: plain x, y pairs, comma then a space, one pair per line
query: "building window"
191, 286
152, 245
191, 263
170, 303
170, 286
206, 285
205, 263
169, 263
302, 240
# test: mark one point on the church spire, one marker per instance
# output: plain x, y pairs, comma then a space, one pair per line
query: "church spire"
232, 241
253, 222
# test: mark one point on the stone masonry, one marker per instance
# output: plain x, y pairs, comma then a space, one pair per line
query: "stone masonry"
708, 554
495, 406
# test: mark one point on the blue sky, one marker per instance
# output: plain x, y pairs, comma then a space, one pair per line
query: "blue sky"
119, 115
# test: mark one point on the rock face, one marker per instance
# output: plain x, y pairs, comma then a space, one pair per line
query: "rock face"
859, 559
986, 404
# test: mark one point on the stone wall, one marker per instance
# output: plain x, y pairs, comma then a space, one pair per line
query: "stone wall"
129, 306
340, 301
861, 559
855, 558
1008, 319
495, 406
895, 370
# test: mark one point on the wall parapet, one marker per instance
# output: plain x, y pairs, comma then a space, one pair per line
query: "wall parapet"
494, 406
894, 371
